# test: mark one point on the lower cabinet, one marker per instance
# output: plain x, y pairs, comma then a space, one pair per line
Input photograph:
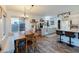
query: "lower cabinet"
46, 31
75, 42
65, 39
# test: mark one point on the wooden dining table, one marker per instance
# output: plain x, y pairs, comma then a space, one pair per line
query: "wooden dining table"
29, 37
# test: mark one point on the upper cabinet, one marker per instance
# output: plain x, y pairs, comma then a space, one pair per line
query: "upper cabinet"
64, 16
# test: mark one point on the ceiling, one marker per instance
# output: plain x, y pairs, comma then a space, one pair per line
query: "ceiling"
40, 10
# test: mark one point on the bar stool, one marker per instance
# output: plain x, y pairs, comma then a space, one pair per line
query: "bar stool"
58, 32
70, 35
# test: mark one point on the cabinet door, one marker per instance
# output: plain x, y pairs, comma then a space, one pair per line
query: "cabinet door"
65, 39
75, 42
65, 25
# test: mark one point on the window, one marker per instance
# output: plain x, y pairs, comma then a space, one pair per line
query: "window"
18, 24
15, 24
22, 24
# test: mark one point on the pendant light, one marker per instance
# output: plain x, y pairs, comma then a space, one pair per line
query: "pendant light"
25, 14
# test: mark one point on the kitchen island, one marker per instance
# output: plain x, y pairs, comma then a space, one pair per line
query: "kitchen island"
70, 37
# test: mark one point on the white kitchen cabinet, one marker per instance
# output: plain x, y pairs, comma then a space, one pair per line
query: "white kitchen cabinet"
75, 42
65, 25
65, 39
46, 31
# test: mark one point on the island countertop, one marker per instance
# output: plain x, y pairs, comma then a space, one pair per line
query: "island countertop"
72, 30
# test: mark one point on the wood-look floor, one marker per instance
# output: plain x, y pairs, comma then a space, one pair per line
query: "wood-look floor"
49, 44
